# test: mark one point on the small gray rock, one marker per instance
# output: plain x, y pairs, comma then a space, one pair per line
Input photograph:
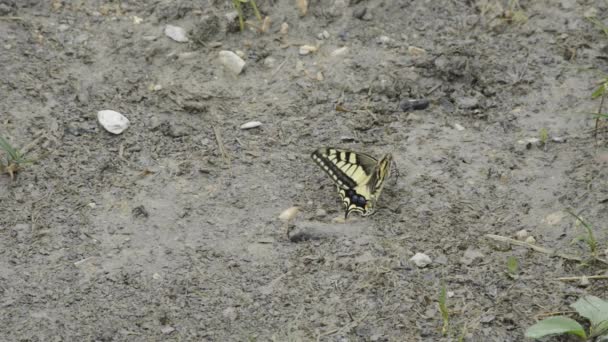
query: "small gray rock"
467, 102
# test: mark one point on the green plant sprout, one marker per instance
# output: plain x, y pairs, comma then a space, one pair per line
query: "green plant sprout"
239, 10
14, 159
443, 308
588, 238
512, 267
594, 309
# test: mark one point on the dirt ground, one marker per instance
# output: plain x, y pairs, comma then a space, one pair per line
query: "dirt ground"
170, 230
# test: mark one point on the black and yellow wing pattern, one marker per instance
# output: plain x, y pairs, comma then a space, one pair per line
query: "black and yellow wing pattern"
358, 176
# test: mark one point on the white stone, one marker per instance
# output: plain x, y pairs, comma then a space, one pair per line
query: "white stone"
289, 214
421, 259
232, 61
306, 49
112, 121
251, 124
339, 51
176, 33
458, 127
530, 240
522, 234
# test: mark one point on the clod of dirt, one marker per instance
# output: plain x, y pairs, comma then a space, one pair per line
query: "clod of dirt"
230, 314
421, 260
232, 61
176, 33
206, 29
470, 256
112, 121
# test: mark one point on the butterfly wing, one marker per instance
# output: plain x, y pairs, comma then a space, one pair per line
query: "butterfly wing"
358, 176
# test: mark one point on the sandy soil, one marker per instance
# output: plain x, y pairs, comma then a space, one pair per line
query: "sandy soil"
157, 235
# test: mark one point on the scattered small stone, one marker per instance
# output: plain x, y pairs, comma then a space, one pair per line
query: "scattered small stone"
384, 40
167, 329
367, 16
112, 121
459, 127
421, 260
266, 24
450, 294
156, 276
307, 49
407, 104
559, 139
320, 76
230, 313
470, 256
251, 124
92, 205
584, 281
324, 34
284, 28
270, 62
530, 240
467, 102
232, 61
176, 33
320, 213
137, 20
302, 6
522, 235
360, 12
289, 214
415, 51
339, 51
554, 218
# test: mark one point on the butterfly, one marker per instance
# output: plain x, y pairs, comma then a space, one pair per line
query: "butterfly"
358, 176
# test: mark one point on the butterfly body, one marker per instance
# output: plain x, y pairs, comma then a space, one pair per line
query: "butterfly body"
359, 177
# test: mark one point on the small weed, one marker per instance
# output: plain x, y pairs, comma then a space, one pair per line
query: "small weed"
443, 308
14, 159
239, 10
592, 308
588, 238
512, 267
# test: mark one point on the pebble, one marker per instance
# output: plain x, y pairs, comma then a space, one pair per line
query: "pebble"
289, 214
415, 51
176, 33
421, 260
320, 213
407, 104
112, 121
360, 12
383, 40
339, 51
302, 6
167, 329
251, 124
459, 127
522, 234
270, 62
230, 313
467, 102
284, 28
232, 61
470, 256
306, 49
530, 240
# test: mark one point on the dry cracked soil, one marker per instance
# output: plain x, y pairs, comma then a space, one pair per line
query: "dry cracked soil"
170, 230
